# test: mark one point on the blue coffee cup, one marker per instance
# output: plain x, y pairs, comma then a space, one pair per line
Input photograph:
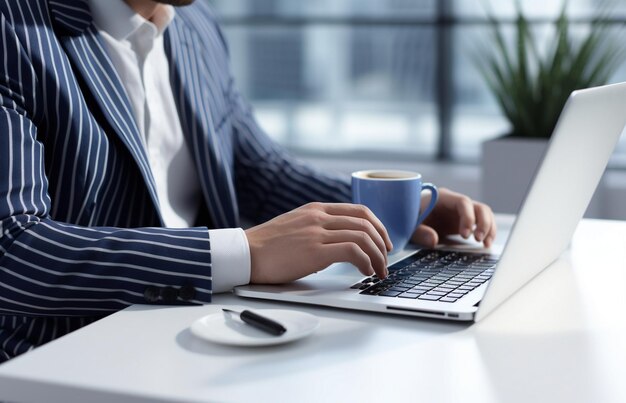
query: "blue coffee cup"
395, 198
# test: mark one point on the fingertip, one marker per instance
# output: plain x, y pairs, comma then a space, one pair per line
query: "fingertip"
383, 274
381, 270
425, 236
479, 236
488, 241
466, 232
367, 271
431, 240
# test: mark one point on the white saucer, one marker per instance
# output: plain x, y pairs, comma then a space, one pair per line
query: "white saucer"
224, 328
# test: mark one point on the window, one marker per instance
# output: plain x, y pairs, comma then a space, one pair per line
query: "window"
391, 77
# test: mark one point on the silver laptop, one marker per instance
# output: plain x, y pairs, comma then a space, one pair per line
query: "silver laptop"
449, 284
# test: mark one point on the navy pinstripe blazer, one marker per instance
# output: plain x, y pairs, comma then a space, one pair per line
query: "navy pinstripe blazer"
81, 232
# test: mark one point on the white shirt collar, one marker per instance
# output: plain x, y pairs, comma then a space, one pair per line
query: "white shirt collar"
117, 19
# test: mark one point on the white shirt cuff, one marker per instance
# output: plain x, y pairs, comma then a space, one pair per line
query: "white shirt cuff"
230, 258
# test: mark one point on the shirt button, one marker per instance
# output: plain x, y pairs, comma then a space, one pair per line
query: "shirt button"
187, 292
151, 294
169, 294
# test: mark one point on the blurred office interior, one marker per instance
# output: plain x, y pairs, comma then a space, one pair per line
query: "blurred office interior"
356, 84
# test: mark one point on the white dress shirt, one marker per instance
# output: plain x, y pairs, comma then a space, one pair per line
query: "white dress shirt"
136, 48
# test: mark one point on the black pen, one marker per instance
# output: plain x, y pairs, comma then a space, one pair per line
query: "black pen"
260, 322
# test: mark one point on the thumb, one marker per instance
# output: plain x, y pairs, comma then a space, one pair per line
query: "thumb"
426, 236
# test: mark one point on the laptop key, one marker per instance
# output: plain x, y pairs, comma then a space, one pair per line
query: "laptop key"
429, 297
448, 299
390, 293
408, 295
483, 265
399, 288
455, 282
431, 283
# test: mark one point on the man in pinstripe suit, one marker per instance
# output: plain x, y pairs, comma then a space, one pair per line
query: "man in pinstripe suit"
127, 157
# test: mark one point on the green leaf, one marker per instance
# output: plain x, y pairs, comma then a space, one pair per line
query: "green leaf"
531, 88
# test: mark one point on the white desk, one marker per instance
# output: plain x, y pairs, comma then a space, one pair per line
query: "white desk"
560, 339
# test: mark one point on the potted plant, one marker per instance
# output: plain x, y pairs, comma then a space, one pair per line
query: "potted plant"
531, 86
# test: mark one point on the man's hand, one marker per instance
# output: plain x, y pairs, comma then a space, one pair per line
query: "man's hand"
311, 237
455, 213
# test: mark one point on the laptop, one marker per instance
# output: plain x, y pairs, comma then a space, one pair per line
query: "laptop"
466, 286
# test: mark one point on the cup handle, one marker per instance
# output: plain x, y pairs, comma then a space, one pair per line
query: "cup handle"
433, 200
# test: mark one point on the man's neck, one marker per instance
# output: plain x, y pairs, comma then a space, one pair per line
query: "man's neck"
145, 8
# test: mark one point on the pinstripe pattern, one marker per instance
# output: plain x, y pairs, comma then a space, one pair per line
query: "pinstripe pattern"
81, 232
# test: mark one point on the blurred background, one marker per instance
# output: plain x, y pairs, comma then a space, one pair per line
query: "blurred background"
355, 84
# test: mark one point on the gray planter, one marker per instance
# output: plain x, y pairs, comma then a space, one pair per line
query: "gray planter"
508, 166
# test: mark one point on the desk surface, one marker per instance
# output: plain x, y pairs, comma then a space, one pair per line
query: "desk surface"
559, 339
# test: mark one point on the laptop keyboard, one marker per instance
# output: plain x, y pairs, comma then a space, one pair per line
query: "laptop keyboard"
432, 275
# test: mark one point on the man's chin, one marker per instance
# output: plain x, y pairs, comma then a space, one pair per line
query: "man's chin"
175, 2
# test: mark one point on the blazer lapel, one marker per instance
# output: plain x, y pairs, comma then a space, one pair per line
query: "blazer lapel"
85, 49
198, 123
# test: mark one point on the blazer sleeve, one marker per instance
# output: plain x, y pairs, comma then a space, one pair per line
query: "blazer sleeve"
271, 181
49, 268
